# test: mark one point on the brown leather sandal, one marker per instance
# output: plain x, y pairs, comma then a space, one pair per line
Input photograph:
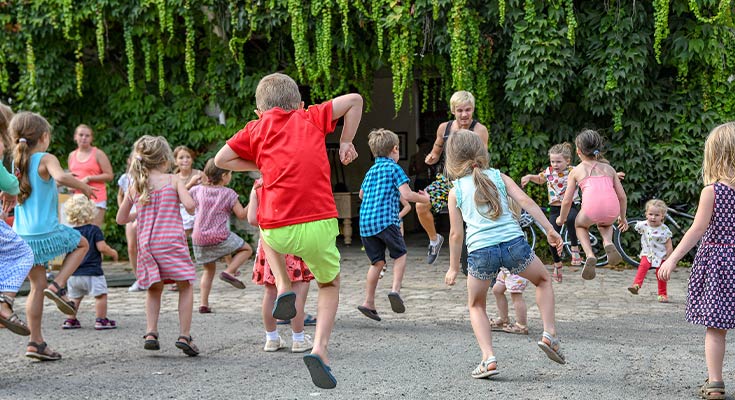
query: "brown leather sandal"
42, 352
65, 306
13, 322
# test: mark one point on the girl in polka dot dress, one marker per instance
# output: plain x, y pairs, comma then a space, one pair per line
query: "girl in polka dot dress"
711, 291
300, 277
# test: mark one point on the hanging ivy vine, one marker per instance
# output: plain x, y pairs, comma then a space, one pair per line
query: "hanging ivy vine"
189, 57
161, 71
99, 32
130, 54
661, 25
571, 20
145, 45
722, 9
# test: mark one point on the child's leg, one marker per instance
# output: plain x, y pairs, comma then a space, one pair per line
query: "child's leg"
277, 263
153, 306
71, 262
606, 231
302, 290
519, 305
371, 284
77, 302
476, 301
130, 236
714, 352
662, 286
399, 268
537, 274
34, 303
99, 217
186, 303
100, 306
501, 302
582, 226
643, 268
327, 303
269, 296
242, 255
205, 285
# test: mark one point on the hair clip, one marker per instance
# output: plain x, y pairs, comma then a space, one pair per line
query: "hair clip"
138, 157
22, 140
596, 152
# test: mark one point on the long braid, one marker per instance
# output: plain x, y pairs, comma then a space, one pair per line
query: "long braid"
26, 129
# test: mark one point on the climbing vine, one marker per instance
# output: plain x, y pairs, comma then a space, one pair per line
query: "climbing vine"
130, 54
145, 45
189, 57
722, 10
661, 20
99, 32
161, 72
571, 20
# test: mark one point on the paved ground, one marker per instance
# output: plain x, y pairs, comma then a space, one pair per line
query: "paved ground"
618, 346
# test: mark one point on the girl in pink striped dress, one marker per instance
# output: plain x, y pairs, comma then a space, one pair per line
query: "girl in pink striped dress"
163, 253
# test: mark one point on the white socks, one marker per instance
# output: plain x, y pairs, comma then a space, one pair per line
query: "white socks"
297, 337
271, 335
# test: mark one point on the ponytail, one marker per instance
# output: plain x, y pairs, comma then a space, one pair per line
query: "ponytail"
26, 129
486, 194
21, 158
139, 175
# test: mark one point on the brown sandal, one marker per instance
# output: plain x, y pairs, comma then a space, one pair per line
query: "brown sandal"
65, 306
516, 328
712, 390
498, 324
13, 322
42, 352
189, 348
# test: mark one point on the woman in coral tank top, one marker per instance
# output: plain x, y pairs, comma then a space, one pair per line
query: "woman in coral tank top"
91, 166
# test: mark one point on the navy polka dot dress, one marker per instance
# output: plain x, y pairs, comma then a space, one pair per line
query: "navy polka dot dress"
711, 295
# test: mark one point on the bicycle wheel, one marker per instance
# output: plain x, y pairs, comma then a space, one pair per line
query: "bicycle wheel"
564, 233
598, 249
530, 235
629, 243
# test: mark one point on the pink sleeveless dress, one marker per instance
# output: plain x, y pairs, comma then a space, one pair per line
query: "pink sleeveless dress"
163, 253
599, 200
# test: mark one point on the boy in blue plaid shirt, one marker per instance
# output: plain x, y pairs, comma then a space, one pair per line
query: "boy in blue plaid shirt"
381, 191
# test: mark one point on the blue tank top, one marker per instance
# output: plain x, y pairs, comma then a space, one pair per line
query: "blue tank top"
481, 230
38, 215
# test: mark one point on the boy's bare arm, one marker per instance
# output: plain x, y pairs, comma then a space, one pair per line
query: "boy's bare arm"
105, 249
226, 158
240, 212
348, 106
410, 195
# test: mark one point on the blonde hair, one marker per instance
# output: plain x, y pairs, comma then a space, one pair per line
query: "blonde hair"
149, 153
80, 210
26, 129
382, 141
563, 149
590, 144
719, 155
277, 90
466, 155
6, 114
657, 203
459, 98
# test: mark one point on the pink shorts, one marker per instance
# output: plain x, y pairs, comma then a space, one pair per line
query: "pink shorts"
514, 283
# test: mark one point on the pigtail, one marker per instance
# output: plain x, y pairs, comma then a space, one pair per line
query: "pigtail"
139, 176
21, 158
486, 194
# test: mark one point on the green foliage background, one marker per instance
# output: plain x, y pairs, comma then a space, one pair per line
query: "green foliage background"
653, 77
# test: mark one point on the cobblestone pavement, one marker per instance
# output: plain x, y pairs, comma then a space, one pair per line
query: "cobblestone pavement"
618, 345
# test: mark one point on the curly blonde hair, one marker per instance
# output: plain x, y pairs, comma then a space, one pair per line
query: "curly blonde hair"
80, 210
149, 152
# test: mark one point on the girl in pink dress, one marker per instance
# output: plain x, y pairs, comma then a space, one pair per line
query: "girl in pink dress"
163, 253
300, 277
603, 200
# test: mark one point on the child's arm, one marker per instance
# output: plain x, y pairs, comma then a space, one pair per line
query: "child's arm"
226, 158
8, 182
692, 236
51, 163
362, 193
410, 195
566, 203
240, 212
348, 106
105, 249
537, 179
120, 196
623, 199
456, 238
520, 197
253, 208
124, 215
184, 195
406, 208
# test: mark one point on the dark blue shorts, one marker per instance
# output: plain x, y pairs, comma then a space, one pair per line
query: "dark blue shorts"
514, 255
389, 238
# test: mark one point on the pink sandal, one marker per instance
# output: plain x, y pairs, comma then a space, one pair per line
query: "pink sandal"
576, 259
556, 274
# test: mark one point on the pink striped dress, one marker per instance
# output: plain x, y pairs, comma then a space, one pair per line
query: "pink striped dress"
163, 253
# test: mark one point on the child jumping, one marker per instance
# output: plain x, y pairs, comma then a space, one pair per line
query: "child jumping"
384, 185
712, 280
16, 258
298, 214
300, 277
494, 240
603, 200
515, 284
163, 253
555, 176
655, 246
88, 279
211, 237
37, 223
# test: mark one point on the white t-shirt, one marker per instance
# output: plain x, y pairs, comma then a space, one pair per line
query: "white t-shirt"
653, 241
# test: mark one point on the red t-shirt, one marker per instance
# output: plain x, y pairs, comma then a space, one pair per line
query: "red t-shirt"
288, 148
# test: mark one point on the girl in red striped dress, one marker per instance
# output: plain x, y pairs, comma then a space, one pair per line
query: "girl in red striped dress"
163, 253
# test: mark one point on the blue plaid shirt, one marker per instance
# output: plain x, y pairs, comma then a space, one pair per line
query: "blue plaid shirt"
381, 200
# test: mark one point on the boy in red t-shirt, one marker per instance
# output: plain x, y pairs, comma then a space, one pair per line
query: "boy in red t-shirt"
297, 213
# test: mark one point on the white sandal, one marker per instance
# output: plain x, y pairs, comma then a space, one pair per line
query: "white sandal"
552, 347
482, 370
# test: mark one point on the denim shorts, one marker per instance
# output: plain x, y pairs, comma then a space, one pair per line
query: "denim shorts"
514, 255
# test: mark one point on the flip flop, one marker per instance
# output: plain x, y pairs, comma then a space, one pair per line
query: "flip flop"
321, 374
372, 314
225, 277
588, 272
285, 306
613, 255
396, 303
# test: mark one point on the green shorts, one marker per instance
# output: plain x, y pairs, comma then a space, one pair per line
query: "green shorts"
315, 242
